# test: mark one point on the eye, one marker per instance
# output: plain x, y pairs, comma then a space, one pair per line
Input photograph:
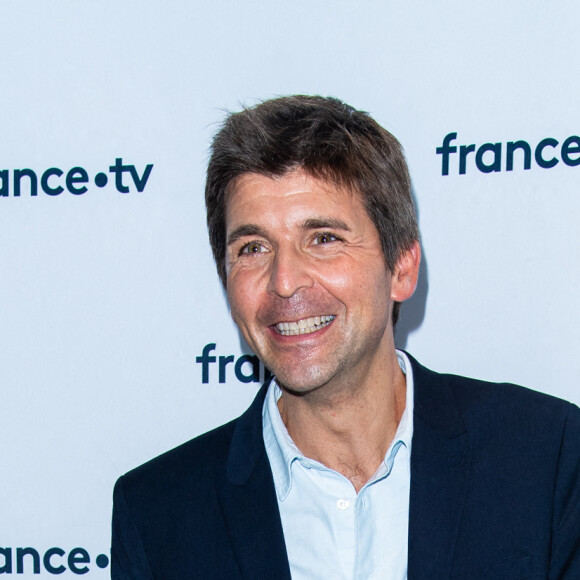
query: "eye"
252, 248
324, 238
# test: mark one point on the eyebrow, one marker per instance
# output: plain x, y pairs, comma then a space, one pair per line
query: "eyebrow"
244, 231
324, 223
317, 223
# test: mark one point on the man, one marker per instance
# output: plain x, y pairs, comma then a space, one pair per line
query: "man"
355, 461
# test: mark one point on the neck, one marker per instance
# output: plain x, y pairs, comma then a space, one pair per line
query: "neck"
350, 428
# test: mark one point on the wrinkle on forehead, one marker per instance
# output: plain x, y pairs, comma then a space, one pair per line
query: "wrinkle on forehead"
298, 174
297, 182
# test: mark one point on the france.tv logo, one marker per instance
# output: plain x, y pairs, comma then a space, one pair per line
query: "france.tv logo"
498, 156
54, 561
247, 368
53, 180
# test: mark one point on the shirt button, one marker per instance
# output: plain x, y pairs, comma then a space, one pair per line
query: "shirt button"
342, 504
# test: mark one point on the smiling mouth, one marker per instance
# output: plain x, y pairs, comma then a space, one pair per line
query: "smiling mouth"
304, 325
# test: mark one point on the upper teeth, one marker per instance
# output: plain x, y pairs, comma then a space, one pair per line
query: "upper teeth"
305, 325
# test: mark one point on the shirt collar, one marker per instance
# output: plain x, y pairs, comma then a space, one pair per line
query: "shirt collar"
282, 450
404, 431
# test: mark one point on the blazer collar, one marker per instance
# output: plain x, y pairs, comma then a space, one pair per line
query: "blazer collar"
440, 465
249, 504
435, 404
247, 448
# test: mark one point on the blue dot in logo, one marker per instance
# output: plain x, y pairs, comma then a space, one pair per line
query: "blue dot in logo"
101, 179
102, 560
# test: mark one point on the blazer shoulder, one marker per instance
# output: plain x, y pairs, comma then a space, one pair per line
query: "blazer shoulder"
206, 460
509, 400
493, 405
194, 462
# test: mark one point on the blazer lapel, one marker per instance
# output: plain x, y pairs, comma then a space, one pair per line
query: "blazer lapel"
249, 503
440, 460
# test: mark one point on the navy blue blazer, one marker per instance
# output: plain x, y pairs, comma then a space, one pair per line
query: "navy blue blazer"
495, 494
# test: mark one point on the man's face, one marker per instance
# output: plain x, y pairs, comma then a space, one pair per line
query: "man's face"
306, 280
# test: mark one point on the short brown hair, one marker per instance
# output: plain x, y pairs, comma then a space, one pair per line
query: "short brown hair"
327, 139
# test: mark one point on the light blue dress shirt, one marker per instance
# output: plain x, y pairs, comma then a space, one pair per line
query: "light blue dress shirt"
331, 532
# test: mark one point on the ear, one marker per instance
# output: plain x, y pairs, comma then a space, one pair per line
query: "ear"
406, 273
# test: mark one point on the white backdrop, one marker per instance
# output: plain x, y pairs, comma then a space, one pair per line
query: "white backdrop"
107, 298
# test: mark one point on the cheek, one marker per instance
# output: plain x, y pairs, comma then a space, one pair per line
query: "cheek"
352, 277
363, 289
241, 299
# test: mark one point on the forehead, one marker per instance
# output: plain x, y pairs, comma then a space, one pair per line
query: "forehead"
292, 196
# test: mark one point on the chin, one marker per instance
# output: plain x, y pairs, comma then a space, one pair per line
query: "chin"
302, 383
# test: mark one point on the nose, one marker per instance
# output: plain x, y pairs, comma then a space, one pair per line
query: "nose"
289, 273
